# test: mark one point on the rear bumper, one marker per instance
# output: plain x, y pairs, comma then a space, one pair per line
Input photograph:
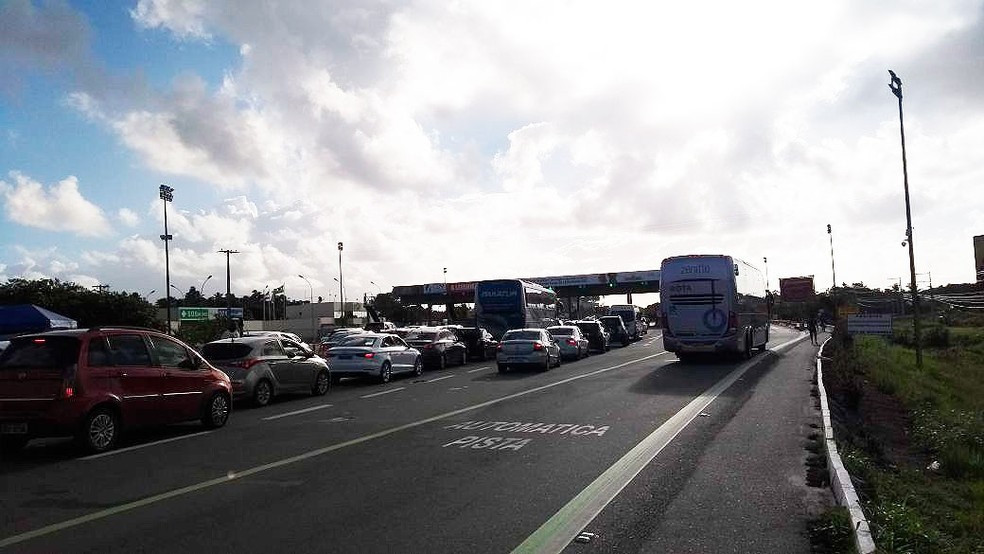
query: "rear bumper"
59, 419
723, 344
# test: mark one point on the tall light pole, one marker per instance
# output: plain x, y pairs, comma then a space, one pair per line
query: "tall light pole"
311, 288
765, 260
833, 273
379, 290
201, 289
228, 282
896, 86
152, 291
341, 289
167, 195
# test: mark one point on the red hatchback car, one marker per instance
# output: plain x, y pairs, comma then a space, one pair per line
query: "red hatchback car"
92, 383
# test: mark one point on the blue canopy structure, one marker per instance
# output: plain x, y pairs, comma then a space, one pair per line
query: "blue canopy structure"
28, 318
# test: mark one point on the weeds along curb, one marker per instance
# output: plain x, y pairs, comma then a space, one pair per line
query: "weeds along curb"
840, 479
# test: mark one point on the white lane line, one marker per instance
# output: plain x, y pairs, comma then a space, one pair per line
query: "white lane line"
304, 411
477, 369
439, 379
233, 475
139, 446
560, 530
382, 393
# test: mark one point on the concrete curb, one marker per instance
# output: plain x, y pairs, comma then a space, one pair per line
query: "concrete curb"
840, 479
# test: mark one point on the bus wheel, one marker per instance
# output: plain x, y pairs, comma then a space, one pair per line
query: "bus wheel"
748, 346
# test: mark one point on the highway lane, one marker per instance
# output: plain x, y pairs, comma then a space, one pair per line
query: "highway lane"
446, 462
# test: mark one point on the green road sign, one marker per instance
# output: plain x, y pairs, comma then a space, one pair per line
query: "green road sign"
193, 314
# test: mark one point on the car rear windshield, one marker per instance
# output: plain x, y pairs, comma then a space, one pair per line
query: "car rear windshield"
359, 341
421, 336
561, 331
26, 353
468, 333
226, 350
522, 335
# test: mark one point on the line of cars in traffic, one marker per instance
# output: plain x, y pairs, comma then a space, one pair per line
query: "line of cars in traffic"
92, 384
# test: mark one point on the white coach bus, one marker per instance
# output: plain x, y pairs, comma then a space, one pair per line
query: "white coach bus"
714, 304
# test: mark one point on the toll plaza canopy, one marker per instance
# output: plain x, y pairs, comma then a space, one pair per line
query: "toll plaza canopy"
566, 286
28, 318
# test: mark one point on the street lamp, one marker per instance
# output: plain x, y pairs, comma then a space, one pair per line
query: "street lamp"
896, 86
201, 289
445, 280
167, 195
152, 291
833, 274
766, 262
378, 289
311, 288
341, 289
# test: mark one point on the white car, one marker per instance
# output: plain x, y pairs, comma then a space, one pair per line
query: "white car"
573, 344
527, 348
377, 355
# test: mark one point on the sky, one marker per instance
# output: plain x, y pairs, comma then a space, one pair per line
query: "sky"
494, 139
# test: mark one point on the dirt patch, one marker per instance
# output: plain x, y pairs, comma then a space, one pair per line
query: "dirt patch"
878, 421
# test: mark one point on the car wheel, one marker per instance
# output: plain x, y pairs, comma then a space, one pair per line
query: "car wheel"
10, 443
321, 383
216, 412
502, 368
560, 360
100, 430
442, 362
483, 355
385, 373
547, 365
262, 393
464, 357
418, 367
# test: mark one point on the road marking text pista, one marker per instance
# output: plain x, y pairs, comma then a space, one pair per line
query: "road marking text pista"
480, 442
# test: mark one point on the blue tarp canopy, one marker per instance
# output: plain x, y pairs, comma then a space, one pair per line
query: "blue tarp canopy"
27, 318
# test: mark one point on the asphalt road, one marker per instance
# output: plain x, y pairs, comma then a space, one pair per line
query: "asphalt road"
646, 453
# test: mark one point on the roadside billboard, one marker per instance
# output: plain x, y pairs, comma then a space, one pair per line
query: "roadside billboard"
205, 314
979, 257
796, 289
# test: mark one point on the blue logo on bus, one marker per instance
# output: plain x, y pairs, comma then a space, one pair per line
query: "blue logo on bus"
715, 320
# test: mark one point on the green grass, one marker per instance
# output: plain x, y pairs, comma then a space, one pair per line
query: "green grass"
916, 509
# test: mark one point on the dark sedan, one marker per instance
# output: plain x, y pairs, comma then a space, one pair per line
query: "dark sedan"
479, 342
439, 347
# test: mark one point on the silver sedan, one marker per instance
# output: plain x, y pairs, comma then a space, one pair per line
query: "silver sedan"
573, 344
377, 355
527, 348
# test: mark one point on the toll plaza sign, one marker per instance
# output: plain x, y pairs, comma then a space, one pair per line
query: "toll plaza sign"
491, 435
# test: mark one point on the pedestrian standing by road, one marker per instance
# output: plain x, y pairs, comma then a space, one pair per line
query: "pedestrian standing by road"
811, 326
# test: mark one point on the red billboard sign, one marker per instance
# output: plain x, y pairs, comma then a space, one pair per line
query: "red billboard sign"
796, 289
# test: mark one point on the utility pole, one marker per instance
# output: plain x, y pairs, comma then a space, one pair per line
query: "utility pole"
896, 86
228, 282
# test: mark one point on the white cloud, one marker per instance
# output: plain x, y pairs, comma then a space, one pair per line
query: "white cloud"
181, 17
61, 208
128, 217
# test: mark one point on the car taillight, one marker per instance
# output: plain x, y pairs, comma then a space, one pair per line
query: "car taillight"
498, 347
537, 346
572, 342
246, 363
368, 355
67, 389
732, 322
428, 346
